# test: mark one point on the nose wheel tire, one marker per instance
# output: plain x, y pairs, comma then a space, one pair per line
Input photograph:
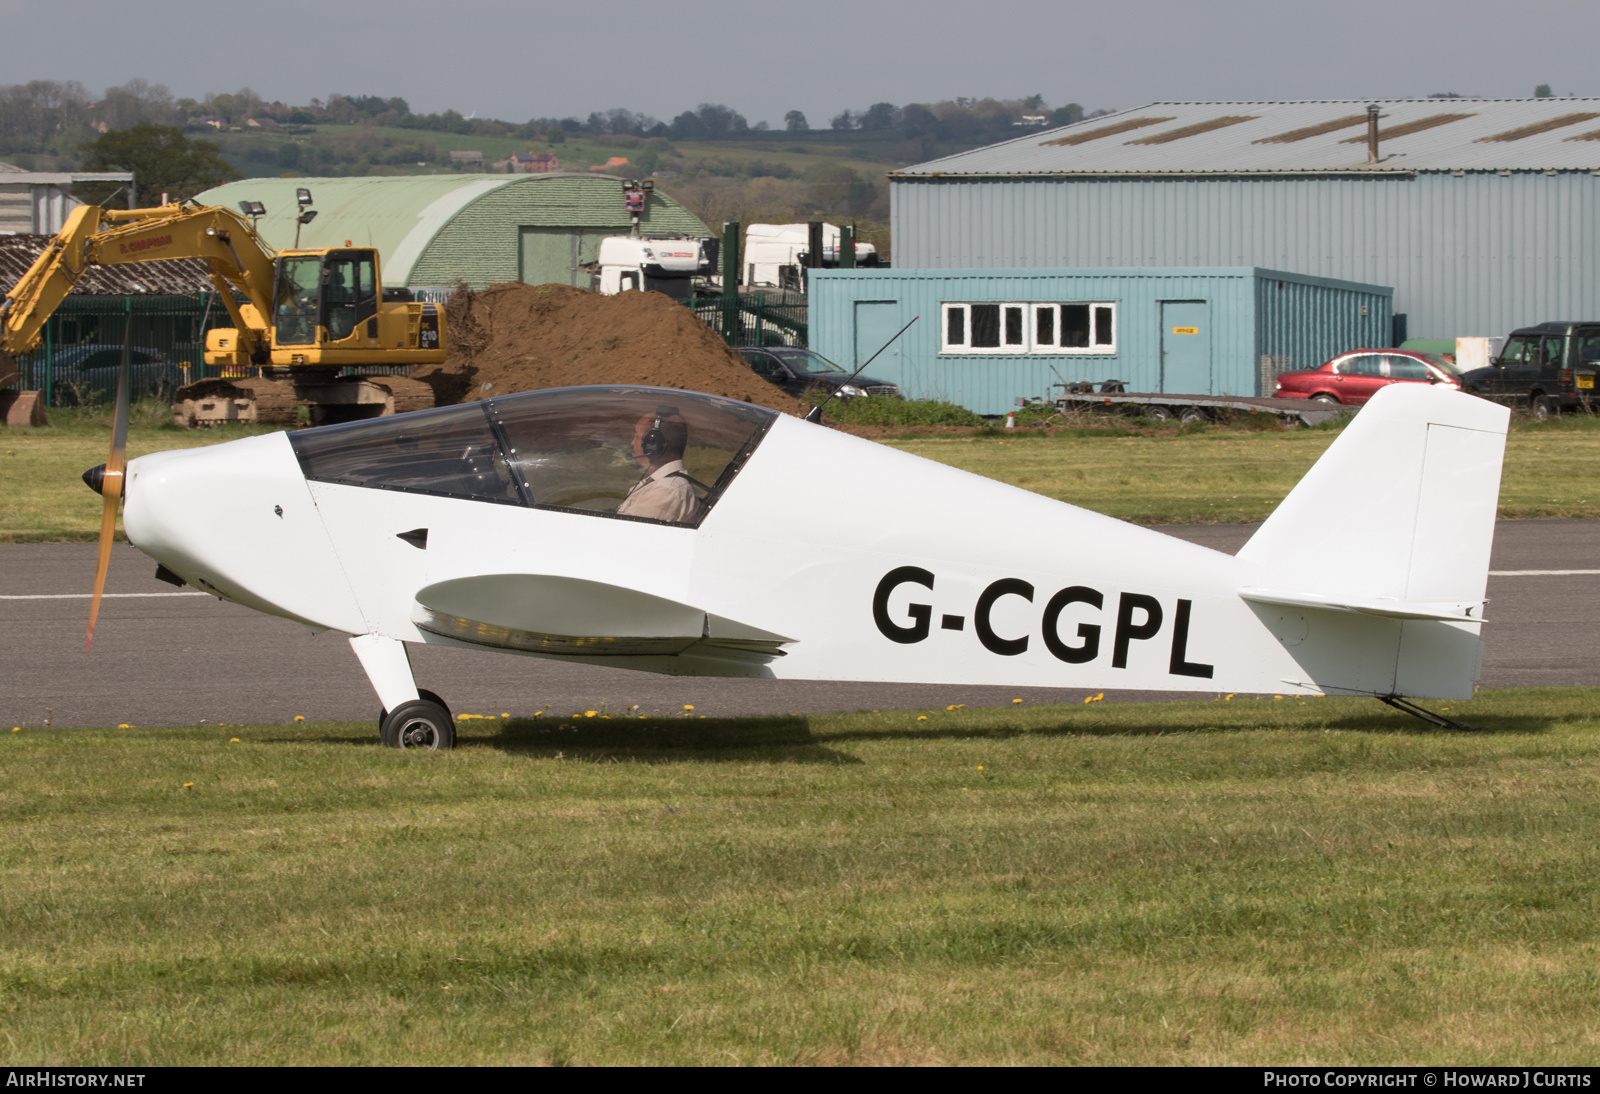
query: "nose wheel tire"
423, 723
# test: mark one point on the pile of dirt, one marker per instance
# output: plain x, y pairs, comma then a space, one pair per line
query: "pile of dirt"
516, 337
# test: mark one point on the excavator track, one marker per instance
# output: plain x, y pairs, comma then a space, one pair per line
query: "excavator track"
209, 403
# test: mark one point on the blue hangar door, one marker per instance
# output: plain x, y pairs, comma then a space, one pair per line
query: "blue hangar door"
1186, 347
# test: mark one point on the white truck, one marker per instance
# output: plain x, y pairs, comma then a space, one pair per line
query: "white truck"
774, 254
662, 263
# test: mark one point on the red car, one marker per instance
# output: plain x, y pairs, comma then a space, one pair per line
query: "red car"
1352, 378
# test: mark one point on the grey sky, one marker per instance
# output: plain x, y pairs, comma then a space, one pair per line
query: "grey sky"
513, 59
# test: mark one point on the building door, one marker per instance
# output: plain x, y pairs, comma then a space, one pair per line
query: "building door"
546, 255
1186, 347
876, 322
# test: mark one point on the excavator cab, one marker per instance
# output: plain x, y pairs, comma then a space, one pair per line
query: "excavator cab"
324, 298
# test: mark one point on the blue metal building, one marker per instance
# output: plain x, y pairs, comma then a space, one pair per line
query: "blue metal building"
987, 337
1483, 214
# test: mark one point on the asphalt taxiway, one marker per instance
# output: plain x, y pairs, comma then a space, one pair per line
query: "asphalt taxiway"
165, 656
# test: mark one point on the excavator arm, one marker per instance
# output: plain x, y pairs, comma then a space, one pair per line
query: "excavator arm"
238, 259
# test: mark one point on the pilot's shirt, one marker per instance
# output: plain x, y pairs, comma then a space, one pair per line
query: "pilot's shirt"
664, 494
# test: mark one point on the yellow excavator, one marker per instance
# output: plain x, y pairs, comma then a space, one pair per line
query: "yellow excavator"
300, 317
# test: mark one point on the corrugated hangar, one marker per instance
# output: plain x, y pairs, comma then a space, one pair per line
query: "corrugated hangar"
987, 337
436, 231
1481, 213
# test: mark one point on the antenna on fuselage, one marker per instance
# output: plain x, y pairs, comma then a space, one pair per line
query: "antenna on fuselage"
815, 413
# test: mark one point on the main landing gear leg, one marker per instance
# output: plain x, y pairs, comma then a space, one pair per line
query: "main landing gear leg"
410, 719
1406, 706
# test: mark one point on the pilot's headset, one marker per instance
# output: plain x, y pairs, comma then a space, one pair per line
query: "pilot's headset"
654, 442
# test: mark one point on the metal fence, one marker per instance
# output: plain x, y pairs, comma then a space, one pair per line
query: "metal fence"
773, 318
77, 359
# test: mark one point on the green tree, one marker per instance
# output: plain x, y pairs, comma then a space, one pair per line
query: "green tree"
162, 159
1543, 92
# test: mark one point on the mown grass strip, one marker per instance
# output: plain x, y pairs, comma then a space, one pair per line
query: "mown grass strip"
1244, 880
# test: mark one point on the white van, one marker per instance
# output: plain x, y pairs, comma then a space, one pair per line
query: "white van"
774, 253
665, 264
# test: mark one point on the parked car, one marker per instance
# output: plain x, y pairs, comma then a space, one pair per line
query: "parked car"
1350, 379
97, 360
799, 370
1546, 368
87, 373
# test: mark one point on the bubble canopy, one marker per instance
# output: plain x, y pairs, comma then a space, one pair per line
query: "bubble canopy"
575, 449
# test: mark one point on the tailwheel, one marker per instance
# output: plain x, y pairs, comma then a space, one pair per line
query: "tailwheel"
423, 723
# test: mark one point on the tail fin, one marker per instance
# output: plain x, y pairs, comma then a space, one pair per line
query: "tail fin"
1395, 520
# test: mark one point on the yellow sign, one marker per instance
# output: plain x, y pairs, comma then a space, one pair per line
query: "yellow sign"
1585, 381
1185, 330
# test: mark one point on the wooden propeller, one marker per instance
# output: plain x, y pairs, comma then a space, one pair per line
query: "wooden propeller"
109, 483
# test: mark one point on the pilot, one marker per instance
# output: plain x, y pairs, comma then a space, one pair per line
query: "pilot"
666, 492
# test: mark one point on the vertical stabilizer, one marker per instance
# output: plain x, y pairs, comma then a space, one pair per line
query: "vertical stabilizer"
1393, 524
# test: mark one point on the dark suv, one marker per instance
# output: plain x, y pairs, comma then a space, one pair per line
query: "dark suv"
1546, 368
799, 370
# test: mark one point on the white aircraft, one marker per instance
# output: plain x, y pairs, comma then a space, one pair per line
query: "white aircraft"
767, 546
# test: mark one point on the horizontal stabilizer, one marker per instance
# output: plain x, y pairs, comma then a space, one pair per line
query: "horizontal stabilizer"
1454, 611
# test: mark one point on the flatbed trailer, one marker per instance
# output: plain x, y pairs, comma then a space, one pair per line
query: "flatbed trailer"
1194, 408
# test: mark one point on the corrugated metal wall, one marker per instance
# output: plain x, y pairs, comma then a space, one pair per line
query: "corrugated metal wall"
480, 245
991, 384
1309, 319
1303, 321
1477, 254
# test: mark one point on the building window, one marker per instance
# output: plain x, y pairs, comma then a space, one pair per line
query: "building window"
1075, 328
1023, 328
985, 328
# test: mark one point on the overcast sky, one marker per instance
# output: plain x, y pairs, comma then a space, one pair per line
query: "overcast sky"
513, 59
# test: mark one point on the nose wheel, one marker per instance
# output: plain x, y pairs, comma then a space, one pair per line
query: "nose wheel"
423, 723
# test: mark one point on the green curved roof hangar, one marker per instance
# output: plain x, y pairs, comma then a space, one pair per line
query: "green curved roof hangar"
442, 230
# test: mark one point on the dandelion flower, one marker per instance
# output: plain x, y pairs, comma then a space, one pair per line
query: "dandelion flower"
504, 714
299, 717
16, 729
186, 786
233, 740
980, 767
922, 717
688, 706
1016, 700
590, 713
124, 725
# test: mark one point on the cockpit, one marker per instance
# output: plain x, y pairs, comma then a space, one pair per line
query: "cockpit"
579, 449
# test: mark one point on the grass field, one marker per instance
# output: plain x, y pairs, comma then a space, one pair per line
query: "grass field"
1150, 475
1234, 881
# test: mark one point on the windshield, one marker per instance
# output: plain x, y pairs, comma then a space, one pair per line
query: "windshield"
1441, 362
655, 454
803, 360
295, 300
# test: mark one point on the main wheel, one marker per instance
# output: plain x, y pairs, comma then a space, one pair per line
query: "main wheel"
1325, 400
419, 724
423, 693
